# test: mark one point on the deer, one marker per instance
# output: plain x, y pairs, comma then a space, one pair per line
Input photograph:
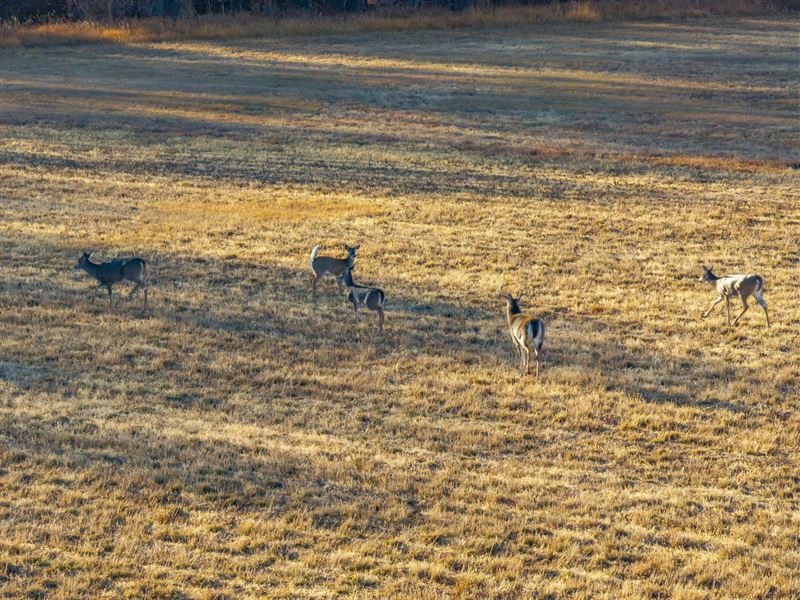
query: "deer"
114, 271
363, 297
327, 265
738, 286
527, 333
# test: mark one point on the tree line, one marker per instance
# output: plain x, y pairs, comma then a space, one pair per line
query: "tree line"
112, 10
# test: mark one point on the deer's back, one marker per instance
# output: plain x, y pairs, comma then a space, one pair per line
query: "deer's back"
327, 264
740, 285
122, 268
372, 298
524, 326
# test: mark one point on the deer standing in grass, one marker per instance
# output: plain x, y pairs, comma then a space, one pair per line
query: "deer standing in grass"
114, 271
327, 265
526, 332
739, 286
363, 297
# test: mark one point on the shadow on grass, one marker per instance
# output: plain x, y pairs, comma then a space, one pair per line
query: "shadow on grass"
332, 97
276, 472
25, 376
306, 169
626, 366
272, 317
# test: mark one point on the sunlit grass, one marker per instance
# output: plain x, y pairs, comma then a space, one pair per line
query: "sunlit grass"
239, 440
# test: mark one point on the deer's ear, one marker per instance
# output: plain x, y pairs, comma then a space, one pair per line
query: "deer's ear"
356, 247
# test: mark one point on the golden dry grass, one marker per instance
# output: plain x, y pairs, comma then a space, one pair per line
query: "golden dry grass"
238, 440
387, 18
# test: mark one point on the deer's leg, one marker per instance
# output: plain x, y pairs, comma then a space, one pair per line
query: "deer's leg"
527, 358
314, 280
744, 310
728, 303
380, 319
763, 305
538, 361
110, 299
139, 284
713, 304
519, 352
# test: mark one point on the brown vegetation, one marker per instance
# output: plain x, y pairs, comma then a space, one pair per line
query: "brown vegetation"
237, 440
246, 25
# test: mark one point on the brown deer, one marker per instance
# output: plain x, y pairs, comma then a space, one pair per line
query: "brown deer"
363, 297
526, 332
326, 265
114, 271
738, 286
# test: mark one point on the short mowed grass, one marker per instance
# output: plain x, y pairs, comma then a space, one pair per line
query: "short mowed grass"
240, 440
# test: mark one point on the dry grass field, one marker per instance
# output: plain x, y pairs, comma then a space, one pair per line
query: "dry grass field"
238, 440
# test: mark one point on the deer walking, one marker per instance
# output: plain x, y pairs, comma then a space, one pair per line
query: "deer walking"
327, 265
738, 286
114, 271
363, 297
526, 332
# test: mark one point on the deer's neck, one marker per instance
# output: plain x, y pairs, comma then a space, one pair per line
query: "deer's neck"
510, 312
92, 269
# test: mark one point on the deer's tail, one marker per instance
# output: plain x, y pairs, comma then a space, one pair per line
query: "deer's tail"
535, 333
314, 251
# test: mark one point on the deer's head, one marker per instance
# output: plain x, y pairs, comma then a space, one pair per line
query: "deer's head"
707, 274
82, 261
512, 304
346, 276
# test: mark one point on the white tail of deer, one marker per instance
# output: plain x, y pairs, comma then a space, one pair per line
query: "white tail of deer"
326, 265
114, 271
526, 332
735, 286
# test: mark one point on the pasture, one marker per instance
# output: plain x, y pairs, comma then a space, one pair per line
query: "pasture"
237, 440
